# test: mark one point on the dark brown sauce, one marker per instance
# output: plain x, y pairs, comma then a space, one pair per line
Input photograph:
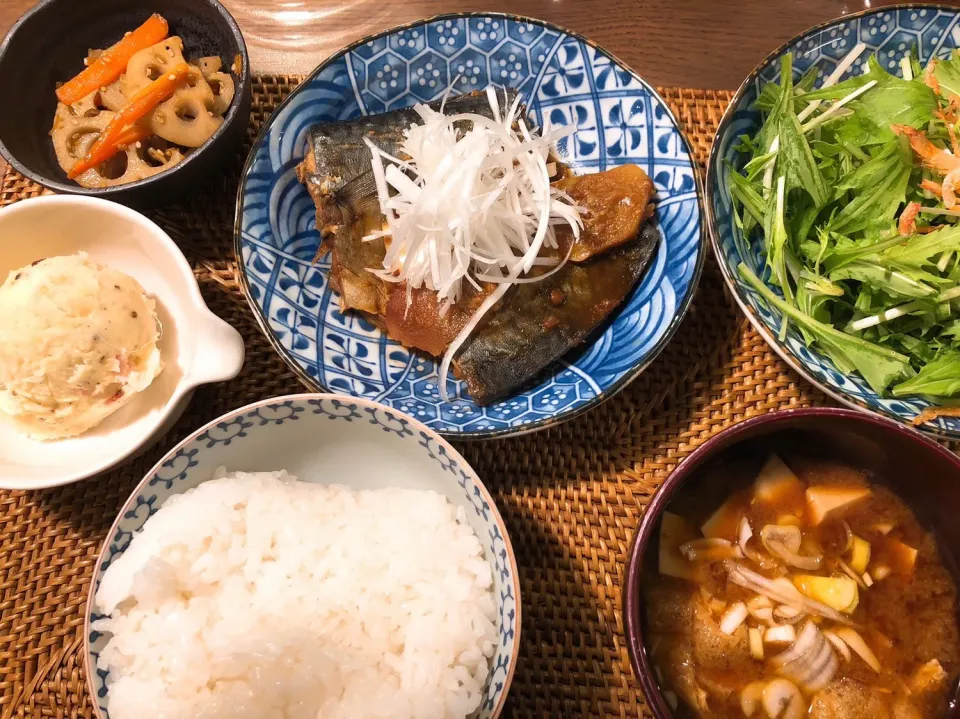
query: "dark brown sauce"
907, 618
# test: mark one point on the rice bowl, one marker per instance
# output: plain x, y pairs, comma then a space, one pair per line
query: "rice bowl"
255, 594
288, 599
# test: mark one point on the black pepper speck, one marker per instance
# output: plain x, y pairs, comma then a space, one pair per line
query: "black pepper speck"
133, 314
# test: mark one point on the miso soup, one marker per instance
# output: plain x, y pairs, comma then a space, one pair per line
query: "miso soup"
793, 587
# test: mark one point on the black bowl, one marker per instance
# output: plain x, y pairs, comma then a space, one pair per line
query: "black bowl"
48, 44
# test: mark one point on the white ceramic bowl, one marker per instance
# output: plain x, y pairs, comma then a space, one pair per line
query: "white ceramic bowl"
334, 440
197, 346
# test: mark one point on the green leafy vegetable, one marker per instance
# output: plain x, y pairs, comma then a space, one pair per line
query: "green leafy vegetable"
939, 378
947, 73
823, 185
921, 250
896, 283
795, 161
880, 366
892, 101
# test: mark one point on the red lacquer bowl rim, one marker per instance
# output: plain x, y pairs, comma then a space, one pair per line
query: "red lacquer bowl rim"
633, 622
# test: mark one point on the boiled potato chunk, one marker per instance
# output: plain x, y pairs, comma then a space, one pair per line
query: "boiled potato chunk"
860, 555
777, 484
675, 531
724, 523
840, 593
901, 557
824, 499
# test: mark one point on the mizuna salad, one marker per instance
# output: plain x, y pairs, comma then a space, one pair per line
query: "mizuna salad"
854, 190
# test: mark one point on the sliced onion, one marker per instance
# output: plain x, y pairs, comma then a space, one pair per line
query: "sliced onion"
789, 615
848, 571
761, 609
806, 641
759, 603
764, 560
781, 592
785, 611
849, 533
780, 634
806, 563
733, 618
750, 698
782, 537
782, 700
785, 584
784, 541
709, 550
743, 534
823, 672
810, 661
755, 641
764, 615
837, 642
466, 198
856, 643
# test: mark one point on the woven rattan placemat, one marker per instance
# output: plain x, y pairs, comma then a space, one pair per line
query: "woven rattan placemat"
571, 495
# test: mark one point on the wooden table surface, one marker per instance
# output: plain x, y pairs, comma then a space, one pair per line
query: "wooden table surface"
709, 44
689, 43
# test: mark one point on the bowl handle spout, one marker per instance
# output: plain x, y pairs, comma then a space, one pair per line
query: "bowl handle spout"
219, 351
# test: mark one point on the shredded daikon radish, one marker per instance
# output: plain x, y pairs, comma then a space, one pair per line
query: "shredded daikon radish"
469, 205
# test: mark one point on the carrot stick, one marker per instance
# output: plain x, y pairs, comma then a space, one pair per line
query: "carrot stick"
132, 134
113, 62
140, 105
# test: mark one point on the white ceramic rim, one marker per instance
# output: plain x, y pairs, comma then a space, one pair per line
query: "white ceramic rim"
188, 382
303, 397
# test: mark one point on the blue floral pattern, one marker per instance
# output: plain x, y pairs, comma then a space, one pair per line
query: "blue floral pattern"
618, 119
262, 427
934, 32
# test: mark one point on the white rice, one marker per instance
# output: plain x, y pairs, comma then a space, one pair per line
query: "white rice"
255, 595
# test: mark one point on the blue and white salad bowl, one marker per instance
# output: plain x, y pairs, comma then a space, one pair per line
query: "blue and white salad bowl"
891, 33
564, 79
325, 438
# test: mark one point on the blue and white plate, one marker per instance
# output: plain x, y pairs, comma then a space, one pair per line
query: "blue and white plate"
891, 33
564, 79
334, 440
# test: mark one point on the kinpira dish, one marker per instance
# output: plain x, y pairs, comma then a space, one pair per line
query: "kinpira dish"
794, 586
456, 230
138, 108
